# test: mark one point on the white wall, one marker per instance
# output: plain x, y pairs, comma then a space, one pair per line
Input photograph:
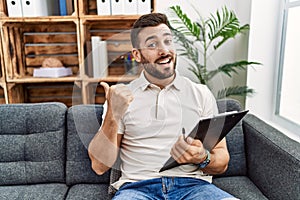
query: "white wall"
264, 46
233, 50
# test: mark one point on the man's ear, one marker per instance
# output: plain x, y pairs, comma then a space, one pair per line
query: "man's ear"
136, 54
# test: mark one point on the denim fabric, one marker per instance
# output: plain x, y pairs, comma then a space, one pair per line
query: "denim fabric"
172, 188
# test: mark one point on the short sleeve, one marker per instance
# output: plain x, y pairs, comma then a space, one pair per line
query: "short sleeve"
210, 108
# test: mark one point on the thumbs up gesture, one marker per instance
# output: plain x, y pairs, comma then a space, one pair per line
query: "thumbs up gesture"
118, 99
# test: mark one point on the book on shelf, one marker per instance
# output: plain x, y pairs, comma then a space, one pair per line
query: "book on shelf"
117, 7
63, 7
52, 72
104, 7
14, 8
144, 7
210, 131
123, 7
36, 8
99, 57
130, 7
32, 8
70, 7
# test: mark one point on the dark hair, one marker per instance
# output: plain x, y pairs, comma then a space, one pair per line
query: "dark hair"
147, 20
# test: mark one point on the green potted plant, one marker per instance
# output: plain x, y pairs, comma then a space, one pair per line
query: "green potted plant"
199, 40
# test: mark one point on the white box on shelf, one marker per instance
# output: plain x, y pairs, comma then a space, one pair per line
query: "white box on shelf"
144, 6
36, 8
103, 65
117, 7
130, 7
14, 8
99, 57
52, 72
103, 7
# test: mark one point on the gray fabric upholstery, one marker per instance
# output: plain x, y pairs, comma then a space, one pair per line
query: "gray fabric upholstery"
235, 141
273, 160
83, 122
32, 149
34, 192
33, 164
239, 186
88, 192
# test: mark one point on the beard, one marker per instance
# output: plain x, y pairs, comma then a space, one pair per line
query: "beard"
151, 68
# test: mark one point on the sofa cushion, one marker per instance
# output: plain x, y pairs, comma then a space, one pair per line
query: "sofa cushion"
83, 122
88, 192
235, 141
240, 187
34, 192
273, 159
32, 140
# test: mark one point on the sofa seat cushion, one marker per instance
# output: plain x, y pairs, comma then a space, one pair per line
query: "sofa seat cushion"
88, 192
239, 186
32, 141
34, 192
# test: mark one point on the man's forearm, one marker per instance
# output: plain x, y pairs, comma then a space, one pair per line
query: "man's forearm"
103, 149
219, 159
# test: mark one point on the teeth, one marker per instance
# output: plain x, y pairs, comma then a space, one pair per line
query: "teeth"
164, 61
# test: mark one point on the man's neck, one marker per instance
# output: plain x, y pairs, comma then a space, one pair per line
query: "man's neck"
161, 83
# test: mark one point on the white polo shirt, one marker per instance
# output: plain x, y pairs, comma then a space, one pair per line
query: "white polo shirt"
154, 121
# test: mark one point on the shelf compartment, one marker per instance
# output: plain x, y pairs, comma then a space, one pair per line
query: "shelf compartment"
72, 10
31, 43
118, 43
67, 93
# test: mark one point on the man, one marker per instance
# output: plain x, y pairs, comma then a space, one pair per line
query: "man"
144, 121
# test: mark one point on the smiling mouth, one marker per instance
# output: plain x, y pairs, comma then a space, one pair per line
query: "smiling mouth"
164, 61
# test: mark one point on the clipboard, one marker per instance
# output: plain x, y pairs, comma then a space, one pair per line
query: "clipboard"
210, 132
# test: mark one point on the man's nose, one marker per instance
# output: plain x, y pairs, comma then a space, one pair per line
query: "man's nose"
163, 50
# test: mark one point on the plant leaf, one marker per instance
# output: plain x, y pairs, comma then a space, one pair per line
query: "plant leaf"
230, 68
225, 25
235, 91
190, 27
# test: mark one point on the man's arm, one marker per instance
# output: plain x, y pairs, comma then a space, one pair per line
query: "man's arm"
192, 151
104, 147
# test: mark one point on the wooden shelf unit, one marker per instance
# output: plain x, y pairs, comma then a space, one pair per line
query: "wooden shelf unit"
3, 90
29, 40
30, 43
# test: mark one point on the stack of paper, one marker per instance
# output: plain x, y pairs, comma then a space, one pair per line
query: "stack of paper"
53, 72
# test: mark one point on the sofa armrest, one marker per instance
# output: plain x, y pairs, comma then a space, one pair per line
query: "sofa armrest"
273, 159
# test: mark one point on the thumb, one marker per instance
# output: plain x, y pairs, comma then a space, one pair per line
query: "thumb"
194, 142
106, 88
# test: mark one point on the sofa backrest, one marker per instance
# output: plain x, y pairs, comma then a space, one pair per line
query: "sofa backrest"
32, 143
83, 122
235, 141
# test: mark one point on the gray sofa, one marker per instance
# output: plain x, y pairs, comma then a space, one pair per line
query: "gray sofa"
43, 155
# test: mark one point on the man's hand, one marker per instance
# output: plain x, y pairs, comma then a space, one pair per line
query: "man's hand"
118, 99
188, 151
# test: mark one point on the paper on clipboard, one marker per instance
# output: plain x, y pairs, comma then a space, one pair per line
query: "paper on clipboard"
210, 132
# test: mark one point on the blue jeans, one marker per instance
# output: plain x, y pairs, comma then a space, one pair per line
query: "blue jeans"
171, 188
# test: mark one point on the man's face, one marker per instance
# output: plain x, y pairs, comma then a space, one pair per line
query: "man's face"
156, 51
